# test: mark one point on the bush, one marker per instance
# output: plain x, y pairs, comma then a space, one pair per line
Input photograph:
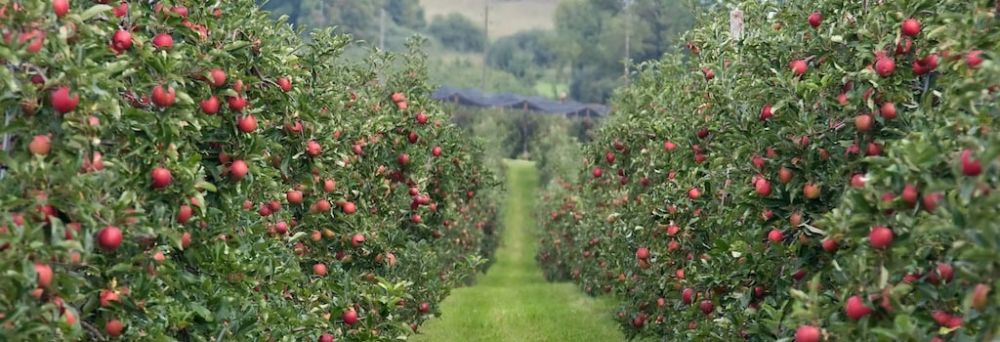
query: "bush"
206, 175
735, 197
457, 32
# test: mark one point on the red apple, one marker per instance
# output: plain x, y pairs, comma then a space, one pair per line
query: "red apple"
350, 317
799, 67
775, 236
880, 237
811, 191
114, 328
61, 100
247, 124
863, 122
815, 19
763, 188
830, 245
217, 77
319, 269
210, 105
163, 97
238, 169
161, 177
706, 307
60, 7
40, 145
285, 84
313, 149
349, 208
163, 41
856, 309
970, 167
884, 66
109, 238
184, 214
807, 333
910, 27
121, 40
888, 111
687, 296
357, 240
43, 273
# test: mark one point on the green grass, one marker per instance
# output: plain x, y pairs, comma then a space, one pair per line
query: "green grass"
506, 16
551, 90
513, 301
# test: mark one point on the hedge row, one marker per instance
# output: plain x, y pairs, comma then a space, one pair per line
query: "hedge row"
830, 174
193, 171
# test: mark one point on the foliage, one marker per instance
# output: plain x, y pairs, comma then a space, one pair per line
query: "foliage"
526, 55
457, 32
311, 196
756, 188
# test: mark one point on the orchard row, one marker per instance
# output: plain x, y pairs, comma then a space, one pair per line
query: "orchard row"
191, 170
826, 171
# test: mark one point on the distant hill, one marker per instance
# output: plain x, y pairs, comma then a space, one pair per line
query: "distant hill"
506, 16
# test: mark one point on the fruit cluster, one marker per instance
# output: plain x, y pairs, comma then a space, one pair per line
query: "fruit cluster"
191, 170
833, 174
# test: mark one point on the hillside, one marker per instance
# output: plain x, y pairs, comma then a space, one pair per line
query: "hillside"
506, 16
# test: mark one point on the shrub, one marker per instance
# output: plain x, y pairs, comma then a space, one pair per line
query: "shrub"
455, 31
207, 175
743, 192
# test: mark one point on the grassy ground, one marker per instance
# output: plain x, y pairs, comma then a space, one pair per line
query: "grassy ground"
513, 302
506, 16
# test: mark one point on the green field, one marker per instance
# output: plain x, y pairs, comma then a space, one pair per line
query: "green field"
513, 302
506, 16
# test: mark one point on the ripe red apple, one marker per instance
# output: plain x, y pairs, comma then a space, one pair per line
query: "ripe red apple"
930, 201
161, 177
884, 66
815, 19
970, 167
436, 151
350, 317
326, 338
785, 175
163, 41
642, 253
863, 122
610, 157
237, 103
294, 197
329, 185
694, 193
856, 309
60, 7
763, 188
210, 105
40, 145
398, 97
357, 240
597, 172
880, 237
799, 67
888, 111
217, 77
807, 333
61, 100
403, 159
184, 214
910, 195
811, 191
285, 84
669, 146
313, 149
238, 169
247, 124
185, 240
687, 296
706, 307
349, 208
766, 113
319, 269
121, 10
121, 40
114, 328
421, 118
709, 74
945, 271
424, 307
107, 297
109, 238
163, 97
43, 273
830, 245
416, 219
910, 27
873, 149
980, 297
974, 58
775, 236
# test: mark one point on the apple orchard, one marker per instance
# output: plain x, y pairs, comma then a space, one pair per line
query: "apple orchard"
829, 172
193, 170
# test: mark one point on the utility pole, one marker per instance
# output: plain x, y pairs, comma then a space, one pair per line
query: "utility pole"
381, 30
486, 50
628, 38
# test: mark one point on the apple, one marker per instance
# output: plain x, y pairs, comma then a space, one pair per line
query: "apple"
807, 333
238, 169
669, 146
863, 122
811, 191
237, 103
815, 19
706, 307
163, 41
294, 197
121, 40
114, 328
775, 236
709, 74
161, 177
163, 97
856, 309
313, 149
107, 297
40, 145
910, 27
285, 84
184, 214
830, 245
970, 167
247, 124
884, 66
424, 307
121, 10
61, 100
687, 296
210, 105
799, 67
910, 194
436, 151
349, 208
109, 238
766, 113
888, 111
880, 237
785, 175
930, 201
597, 172
763, 188
398, 97
60, 7
185, 240
973, 59
43, 273
421, 118
217, 77
319, 269
403, 159
980, 297
694, 193
610, 157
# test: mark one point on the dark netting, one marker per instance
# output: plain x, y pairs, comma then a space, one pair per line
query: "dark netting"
476, 98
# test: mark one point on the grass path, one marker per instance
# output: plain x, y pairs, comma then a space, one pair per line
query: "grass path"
513, 302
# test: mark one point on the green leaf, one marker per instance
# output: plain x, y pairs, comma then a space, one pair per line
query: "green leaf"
94, 10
